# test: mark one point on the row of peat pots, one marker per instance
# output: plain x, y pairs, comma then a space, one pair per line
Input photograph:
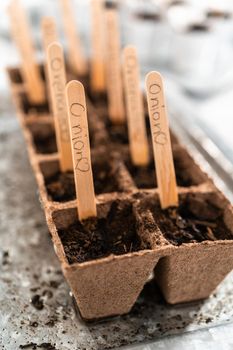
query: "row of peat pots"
108, 260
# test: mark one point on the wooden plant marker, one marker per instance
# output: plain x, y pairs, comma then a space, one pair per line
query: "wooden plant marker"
49, 31
75, 51
97, 61
49, 35
139, 148
57, 85
161, 141
77, 109
113, 68
21, 34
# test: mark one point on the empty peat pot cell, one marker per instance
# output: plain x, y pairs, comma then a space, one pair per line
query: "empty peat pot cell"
61, 187
43, 137
200, 231
106, 262
33, 109
187, 171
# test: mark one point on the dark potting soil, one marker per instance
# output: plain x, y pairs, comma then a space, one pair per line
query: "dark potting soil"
61, 186
195, 220
98, 99
34, 346
45, 144
16, 76
37, 302
97, 238
34, 108
144, 176
117, 133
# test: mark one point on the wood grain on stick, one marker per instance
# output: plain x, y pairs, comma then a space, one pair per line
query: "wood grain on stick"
21, 34
113, 68
139, 149
57, 86
76, 57
161, 141
49, 35
77, 109
97, 35
49, 31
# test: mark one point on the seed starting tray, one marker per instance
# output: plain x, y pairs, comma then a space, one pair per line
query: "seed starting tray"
110, 285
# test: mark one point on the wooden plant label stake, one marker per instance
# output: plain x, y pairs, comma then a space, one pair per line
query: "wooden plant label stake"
21, 33
77, 109
97, 60
161, 141
75, 51
49, 31
57, 85
134, 103
113, 68
49, 35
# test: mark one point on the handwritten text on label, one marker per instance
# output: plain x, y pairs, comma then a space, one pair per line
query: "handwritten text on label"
56, 65
159, 135
77, 110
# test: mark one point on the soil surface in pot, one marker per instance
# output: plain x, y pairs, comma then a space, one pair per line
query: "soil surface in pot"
61, 186
45, 144
15, 76
145, 177
30, 108
117, 133
195, 220
99, 237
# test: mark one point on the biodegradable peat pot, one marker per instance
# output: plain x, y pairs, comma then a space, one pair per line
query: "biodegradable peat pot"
109, 176
200, 260
107, 285
19, 89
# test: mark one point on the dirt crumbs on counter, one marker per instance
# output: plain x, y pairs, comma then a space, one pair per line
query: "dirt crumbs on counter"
5, 258
196, 220
37, 302
33, 346
61, 186
97, 238
148, 16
